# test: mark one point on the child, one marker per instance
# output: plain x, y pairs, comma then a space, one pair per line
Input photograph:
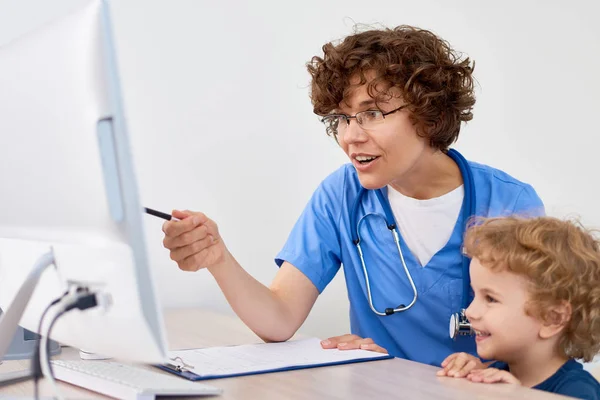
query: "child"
536, 307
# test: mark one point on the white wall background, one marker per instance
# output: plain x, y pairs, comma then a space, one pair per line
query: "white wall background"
216, 94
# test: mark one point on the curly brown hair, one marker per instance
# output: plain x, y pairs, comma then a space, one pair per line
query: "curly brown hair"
560, 259
432, 78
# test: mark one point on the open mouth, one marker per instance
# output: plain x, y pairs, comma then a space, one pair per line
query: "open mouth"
364, 160
481, 335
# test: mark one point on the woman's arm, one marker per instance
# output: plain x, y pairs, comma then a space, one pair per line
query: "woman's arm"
274, 313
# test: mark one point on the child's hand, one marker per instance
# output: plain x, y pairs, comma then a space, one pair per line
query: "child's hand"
458, 365
492, 375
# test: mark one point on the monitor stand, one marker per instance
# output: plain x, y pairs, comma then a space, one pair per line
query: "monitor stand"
9, 320
23, 345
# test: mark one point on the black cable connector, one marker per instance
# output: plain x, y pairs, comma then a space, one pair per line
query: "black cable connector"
84, 302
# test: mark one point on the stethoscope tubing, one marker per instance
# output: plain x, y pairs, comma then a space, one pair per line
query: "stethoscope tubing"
388, 311
468, 211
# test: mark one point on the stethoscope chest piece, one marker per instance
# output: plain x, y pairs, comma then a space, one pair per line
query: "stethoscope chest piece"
460, 325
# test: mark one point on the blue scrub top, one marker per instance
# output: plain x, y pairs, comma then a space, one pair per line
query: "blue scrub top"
320, 242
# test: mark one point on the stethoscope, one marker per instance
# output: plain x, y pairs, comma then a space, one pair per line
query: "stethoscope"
459, 324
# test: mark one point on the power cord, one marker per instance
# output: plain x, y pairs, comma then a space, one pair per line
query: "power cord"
76, 298
82, 303
36, 369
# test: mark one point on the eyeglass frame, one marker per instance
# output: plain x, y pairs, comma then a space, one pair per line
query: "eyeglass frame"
349, 117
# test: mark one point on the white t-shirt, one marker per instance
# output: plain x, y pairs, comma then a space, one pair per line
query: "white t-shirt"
426, 225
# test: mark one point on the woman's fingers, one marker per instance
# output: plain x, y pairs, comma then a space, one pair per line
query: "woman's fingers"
192, 240
173, 229
332, 342
182, 214
373, 347
189, 230
352, 342
193, 248
186, 238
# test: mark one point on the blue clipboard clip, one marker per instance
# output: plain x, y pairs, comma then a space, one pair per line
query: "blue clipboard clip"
179, 365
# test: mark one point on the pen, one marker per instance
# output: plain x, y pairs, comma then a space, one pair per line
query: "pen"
160, 214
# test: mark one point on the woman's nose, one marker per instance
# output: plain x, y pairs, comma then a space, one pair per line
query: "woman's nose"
354, 133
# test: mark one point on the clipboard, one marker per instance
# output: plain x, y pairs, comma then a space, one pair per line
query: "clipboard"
293, 355
182, 370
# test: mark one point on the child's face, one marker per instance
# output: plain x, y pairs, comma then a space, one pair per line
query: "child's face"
497, 314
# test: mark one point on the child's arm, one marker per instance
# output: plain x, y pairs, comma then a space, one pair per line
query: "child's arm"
492, 375
458, 365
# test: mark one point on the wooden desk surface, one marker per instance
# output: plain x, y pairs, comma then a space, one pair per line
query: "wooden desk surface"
385, 379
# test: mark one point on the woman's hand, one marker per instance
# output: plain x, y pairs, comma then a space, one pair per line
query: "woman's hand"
194, 241
352, 342
492, 375
458, 365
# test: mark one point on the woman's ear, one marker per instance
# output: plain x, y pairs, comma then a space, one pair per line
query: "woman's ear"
556, 319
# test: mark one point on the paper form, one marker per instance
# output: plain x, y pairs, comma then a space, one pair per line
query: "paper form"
253, 358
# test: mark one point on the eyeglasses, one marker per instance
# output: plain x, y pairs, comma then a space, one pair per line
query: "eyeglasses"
337, 124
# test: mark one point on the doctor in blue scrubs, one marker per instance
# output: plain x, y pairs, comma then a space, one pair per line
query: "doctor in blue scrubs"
394, 100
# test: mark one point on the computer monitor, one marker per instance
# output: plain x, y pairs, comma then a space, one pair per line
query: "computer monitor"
69, 187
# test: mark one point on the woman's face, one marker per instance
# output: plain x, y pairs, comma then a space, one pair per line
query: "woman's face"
386, 152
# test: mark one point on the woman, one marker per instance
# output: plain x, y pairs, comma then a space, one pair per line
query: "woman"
394, 100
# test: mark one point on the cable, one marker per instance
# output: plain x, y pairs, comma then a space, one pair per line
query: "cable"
81, 299
45, 358
45, 362
36, 370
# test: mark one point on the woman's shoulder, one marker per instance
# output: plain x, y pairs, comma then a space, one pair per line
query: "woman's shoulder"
334, 190
501, 193
346, 173
343, 177
495, 176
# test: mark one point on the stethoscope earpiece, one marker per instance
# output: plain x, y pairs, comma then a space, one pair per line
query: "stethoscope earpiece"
460, 325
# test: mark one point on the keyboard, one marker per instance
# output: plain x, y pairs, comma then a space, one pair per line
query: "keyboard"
125, 381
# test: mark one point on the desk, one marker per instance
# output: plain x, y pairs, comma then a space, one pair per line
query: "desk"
385, 379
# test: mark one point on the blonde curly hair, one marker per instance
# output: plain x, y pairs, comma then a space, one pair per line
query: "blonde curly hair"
561, 260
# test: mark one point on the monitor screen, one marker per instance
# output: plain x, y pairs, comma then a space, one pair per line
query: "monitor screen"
69, 186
